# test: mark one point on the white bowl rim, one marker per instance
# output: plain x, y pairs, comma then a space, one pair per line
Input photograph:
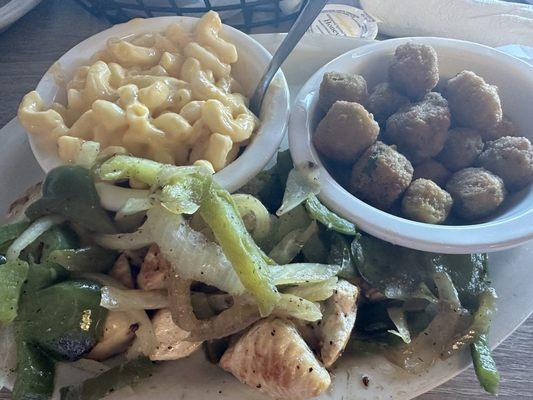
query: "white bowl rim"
462, 239
265, 142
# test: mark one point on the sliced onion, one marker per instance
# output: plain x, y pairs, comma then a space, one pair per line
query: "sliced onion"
193, 256
113, 198
301, 183
397, 315
134, 206
254, 214
428, 346
142, 237
447, 291
145, 235
482, 319
292, 243
242, 314
27, 237
293, 306
117, 299
293, 274
314, 291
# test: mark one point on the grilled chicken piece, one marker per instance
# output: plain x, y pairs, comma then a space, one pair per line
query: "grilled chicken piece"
273, 357
121, 271
171, 343
119, 332
337, 322
154, 270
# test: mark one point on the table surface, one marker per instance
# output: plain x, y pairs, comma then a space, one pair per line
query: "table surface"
32, 44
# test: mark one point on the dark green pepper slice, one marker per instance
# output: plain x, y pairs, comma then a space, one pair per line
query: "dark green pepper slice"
88, 259
35, 373
328, 218
69, 191
65, 320
484, 365
12, 277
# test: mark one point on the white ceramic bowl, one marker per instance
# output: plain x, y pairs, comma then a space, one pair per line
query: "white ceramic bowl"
253, 59
512, 225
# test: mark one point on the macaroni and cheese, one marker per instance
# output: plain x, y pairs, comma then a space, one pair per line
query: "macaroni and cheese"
168, 96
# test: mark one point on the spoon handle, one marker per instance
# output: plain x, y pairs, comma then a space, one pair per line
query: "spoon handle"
309, 12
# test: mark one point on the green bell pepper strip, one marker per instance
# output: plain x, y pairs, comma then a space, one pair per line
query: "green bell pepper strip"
149, 172
59, 237
88, 259
35, 373
41, 276
182, 188
42, 271
125, 167
12, 277
185, 194
114, 379
331, 220
65, 320
69, 191
221, 214
484, 365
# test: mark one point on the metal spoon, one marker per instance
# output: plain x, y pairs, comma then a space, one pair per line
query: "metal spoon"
300, 26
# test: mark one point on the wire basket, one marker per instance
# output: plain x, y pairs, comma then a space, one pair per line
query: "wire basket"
242, 14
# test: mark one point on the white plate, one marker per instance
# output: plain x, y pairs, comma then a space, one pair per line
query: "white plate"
195, 379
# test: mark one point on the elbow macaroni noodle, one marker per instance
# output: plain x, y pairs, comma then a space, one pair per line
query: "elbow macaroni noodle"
169, 97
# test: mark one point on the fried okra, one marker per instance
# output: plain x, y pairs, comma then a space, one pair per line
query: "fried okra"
511, 158
345, 132
476, 192
504, 128
473, 102
420, 129
432, 170
461, 149
337, 86
414, 70
425, 201
381, 175
384, 101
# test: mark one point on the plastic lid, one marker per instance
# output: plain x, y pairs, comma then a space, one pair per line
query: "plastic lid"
343, 20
